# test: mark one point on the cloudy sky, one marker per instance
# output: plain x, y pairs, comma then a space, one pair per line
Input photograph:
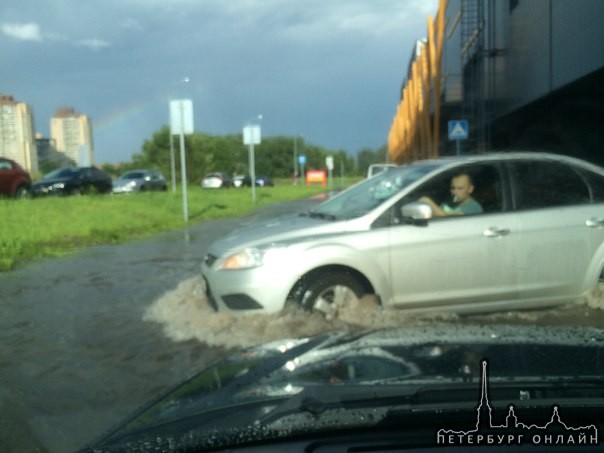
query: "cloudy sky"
327, 70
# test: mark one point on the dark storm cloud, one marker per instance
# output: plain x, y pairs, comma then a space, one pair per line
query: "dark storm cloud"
327, 70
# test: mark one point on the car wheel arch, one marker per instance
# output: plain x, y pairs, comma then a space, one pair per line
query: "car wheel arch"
310, 276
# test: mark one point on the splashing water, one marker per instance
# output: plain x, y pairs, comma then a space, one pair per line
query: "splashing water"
185, 314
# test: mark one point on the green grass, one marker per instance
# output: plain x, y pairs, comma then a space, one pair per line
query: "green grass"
55, 226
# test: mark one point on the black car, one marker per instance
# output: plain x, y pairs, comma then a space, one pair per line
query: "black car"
264, 181
261, 181
73, 181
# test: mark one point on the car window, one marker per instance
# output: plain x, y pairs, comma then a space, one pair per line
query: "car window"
547, 185
5, 165
486, 179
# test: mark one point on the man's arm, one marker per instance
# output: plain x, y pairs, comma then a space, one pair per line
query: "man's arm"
437, 211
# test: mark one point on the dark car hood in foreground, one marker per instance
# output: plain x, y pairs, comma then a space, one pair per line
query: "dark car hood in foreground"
341, 381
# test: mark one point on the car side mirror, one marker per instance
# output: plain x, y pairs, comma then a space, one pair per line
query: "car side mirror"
417, 213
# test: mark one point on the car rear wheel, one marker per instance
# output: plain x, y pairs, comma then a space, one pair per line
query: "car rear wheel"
329, 293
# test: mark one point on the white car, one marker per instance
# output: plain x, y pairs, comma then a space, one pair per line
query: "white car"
216, 180
538, 242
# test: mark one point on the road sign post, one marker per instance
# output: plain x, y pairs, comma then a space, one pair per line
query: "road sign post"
251, 137
329, 165
181, 122
302, 161
458, 130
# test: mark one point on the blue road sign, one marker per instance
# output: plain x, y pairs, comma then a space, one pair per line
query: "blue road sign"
302, 159
458, 130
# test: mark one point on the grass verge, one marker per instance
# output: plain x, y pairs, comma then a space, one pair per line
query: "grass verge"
55, 226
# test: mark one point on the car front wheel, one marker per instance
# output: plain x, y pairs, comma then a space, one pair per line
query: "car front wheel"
22, 192
330, 292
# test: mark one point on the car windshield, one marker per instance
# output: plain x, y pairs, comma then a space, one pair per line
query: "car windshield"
61, 173
338, 225
133, 175
371, 193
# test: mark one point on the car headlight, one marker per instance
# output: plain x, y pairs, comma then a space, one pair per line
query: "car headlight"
131, 184
58, 185
243, 259
252, 257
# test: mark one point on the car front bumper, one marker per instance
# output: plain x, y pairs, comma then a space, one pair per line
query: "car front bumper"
255, 290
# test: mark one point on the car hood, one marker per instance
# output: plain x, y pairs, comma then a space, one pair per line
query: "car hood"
282, 230
291, 386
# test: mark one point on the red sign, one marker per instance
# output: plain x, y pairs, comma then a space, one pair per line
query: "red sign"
316, 176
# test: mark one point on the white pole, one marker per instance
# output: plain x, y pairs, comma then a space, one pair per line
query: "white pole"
172, 164
183, 165
252, 167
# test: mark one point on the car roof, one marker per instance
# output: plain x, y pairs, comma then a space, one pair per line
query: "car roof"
509, 155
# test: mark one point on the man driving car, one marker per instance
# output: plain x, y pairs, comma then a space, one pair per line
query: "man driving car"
462, 202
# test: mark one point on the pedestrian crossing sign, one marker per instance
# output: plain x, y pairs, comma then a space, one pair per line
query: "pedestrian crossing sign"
458, 130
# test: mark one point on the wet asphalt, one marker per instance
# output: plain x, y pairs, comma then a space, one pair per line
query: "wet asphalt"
76, 356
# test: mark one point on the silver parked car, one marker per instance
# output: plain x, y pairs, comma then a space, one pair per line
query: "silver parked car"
538, 241
140, 181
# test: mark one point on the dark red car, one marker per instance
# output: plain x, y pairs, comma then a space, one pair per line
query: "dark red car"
14, 180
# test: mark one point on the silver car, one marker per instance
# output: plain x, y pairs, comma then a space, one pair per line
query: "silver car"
140, 181
538, 242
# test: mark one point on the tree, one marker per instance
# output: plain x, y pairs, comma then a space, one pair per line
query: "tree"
205, 153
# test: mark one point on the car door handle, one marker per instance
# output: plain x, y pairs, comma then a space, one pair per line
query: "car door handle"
594, 222
495, 232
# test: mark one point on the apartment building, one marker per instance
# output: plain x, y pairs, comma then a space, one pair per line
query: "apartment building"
71, 133
17, 140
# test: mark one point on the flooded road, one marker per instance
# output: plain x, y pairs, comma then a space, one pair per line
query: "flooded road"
88, 338
77, 355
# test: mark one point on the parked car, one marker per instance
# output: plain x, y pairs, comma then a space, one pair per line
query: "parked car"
374, 169
241, 181
14, 180
376, 238
73, 181
264, 181
140, 181
216, 180
246, 181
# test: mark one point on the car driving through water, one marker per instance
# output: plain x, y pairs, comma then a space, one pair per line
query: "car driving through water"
387, 236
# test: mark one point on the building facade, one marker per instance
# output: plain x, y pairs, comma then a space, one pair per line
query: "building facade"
72, 135
524, 74
17, 141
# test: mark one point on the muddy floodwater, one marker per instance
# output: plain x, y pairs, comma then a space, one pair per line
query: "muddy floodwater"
87, 339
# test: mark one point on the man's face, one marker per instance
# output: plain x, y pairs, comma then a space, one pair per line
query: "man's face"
461, 188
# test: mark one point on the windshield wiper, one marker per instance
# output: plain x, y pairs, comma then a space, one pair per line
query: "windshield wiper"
316, 400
